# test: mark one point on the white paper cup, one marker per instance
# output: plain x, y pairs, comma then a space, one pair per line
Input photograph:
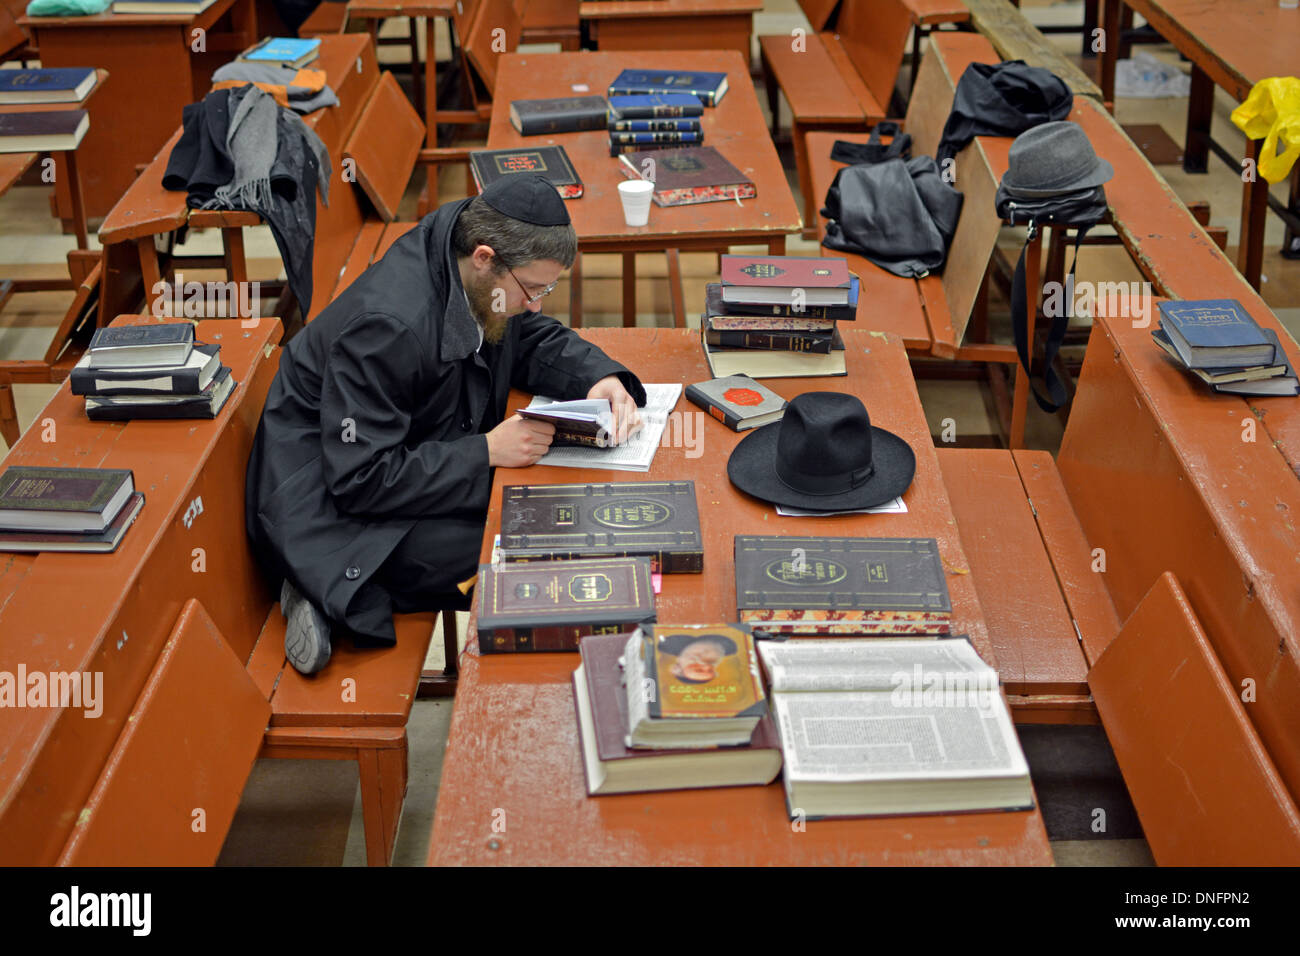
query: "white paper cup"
635, 195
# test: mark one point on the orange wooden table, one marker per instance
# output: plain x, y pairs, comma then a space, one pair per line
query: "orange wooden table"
513, 758
1233, 44
671, 24
113, 613
1166, 476
735, 127
157, 64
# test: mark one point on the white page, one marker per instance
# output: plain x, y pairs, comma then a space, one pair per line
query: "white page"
837, 737
873, 664
895, 507
637, 452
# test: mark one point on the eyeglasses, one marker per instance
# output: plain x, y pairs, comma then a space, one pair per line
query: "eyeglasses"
530, 299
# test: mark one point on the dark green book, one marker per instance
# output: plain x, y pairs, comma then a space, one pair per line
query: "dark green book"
77, 500
654, 519
841, 586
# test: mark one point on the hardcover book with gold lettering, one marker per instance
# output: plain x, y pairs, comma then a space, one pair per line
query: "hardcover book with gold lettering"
549, 605
655, 519
792, 586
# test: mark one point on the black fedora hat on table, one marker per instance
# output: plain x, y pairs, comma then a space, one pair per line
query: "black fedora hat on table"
823, 455
1052, 159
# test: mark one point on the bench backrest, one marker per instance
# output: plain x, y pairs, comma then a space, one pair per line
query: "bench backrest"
927, 111
493, 28
1205, 788
1015, 38
874, 34
12, 36
819, 12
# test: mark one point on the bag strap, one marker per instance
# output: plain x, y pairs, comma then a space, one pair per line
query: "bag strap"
873, 150
1056, 391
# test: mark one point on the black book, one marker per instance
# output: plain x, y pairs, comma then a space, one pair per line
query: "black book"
566, 114
679, 137
783, 341
101, 542
654, 519
666, 124
654, 106
65, 500
550, 162
164, 345
42, 132
188, 379
827, 586
124, 408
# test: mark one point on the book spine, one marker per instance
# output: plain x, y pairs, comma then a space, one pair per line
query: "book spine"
618, 149
661, 562
771, 341
525, 640
575, 121
705, 96
675, 136
695, 395
656, 112
655, 125
837, 313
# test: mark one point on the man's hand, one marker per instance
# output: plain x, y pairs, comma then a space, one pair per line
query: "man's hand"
518, 442
626, 418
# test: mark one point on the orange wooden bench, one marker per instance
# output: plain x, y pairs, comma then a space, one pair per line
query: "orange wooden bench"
1166, 476
1049, 614
549, 21
1205, 788
75, 789
842, 80
329, 18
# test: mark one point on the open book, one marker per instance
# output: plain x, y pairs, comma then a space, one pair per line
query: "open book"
636, 453
587, 423
893, 726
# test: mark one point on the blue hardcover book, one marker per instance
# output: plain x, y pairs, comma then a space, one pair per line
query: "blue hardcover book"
630, 139
709, 87
654, 106
285, 50
65, 85
1215, 333
654, 126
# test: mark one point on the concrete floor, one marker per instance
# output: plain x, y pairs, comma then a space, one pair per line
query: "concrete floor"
308, 812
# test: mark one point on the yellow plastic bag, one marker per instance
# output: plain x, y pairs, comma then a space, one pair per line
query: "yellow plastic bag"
1272, 113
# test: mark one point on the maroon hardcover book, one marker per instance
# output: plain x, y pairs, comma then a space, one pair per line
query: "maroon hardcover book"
549, 605
606, 702
693, 174
785, 272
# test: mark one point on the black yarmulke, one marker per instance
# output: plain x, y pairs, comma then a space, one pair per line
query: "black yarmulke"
528, 198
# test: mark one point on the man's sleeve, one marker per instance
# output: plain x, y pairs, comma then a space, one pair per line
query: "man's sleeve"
555, 361
371, 382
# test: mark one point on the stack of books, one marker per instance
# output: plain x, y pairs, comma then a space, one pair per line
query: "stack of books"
151, 371
40, 131
775, 316
652, 121
63, 85
669, 708
66, 509
1222, 345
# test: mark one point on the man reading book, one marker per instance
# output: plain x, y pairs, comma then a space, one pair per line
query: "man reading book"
371, 469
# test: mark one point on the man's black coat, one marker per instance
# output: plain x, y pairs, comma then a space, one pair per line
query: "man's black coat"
376, 420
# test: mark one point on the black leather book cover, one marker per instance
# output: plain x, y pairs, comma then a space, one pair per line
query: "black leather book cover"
654, 519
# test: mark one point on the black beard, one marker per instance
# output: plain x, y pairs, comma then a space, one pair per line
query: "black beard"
492, 323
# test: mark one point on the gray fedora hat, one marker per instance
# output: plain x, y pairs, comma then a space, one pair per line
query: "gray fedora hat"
1051, 159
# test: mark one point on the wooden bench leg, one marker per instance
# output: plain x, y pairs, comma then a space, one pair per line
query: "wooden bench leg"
1020, 401
383, 789
575, 293
8, 414
810, 205
150, 271
434, 684
1200, 110
675, 287
232, 247
629, 290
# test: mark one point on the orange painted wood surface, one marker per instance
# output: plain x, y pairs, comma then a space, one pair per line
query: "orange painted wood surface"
384, 145
1162, 480
118, 616
359, 687
818, 12
513, 747
1205, 788
1030, 627
736, 127
12, 167
873, 35
641, 9
172, 783
1077, 569
815, 95
929, 12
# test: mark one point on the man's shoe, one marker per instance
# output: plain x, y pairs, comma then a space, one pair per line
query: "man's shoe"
306, 631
